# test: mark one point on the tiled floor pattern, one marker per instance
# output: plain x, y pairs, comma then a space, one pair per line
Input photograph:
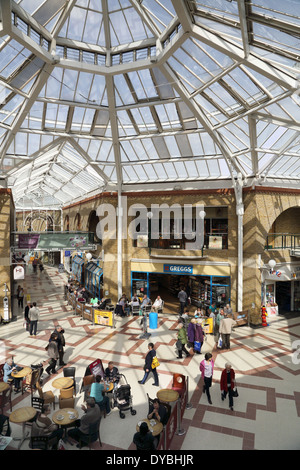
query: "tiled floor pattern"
266, 414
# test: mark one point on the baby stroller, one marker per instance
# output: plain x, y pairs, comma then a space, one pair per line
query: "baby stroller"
122, 397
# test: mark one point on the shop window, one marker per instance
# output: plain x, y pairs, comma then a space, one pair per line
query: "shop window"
176, 234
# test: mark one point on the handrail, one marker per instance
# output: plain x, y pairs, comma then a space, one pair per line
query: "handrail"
286, 241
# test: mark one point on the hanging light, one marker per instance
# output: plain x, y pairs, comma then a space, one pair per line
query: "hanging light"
89, 256
272, 264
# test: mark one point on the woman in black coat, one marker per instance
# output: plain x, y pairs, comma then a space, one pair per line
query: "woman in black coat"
148, 366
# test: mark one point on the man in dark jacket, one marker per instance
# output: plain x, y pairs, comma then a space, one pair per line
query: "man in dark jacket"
60, 344
148, 366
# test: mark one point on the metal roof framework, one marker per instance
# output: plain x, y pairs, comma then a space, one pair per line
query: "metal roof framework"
143, 94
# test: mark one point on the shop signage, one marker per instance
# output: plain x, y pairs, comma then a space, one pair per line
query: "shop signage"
18, 273
178, 269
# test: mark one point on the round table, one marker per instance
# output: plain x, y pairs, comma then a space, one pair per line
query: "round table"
19, 374
109, 387
167, 395
21, 416
4, 386
63, 382
66, 413
155, 429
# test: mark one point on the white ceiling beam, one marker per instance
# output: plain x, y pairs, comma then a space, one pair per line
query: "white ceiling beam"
253, 143
280, 77
25, 108
146, 18
244, 27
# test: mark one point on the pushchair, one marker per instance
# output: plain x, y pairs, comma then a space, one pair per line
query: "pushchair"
122, 397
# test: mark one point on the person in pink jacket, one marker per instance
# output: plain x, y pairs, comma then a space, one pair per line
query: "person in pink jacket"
207, 369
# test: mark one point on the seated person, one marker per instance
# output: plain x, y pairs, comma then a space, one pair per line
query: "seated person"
83, 296
112, 374
43, 426
157, 411
145, 301
199, 313
143, 439
91, 415
157, 303
96, 392
8, 368
135, 301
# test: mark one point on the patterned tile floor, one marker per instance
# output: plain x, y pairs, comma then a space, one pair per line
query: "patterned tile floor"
266, 414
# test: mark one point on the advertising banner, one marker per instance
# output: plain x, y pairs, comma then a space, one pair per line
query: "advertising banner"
103, 317
53, 241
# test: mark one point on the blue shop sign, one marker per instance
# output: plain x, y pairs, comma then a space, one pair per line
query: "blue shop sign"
178, 268
67, 253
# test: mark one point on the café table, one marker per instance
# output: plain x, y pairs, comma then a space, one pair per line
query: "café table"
155, 427
62, 382
64, 417
167, 395
20, 374
22, 416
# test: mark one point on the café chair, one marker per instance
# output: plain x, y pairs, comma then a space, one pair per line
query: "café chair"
161, 308
5, 429
29, 382
135, 310
66, 398
92, 436
39, 442
1, 372
178, 383
5, 397
70, 372
48, 396
37, 403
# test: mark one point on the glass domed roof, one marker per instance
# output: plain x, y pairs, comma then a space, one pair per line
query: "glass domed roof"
147, 94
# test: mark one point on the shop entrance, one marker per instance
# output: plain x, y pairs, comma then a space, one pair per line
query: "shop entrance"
202, 290
283, 296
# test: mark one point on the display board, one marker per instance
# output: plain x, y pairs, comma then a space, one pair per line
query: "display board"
103, 317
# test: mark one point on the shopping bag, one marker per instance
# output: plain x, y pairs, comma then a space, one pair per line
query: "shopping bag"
179, 345
220, 342
155, 363
197, 346
235, 392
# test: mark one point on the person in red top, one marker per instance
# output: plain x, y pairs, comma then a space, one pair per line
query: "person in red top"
227, 384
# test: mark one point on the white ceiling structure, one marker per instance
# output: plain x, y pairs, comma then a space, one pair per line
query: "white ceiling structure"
100, 95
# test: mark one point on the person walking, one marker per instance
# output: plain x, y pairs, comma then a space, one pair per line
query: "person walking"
182, 341
60, 343
20, 296
219, 317
33, 316
227, 384
191, 330
148, 366
225, 330
182, 296
207, 369
199, 336
26, 317
52, 350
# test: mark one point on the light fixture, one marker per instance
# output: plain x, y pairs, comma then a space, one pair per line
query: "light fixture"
272, 264
89, 256
202, 214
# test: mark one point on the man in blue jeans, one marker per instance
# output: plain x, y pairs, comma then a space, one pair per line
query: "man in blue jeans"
148, 366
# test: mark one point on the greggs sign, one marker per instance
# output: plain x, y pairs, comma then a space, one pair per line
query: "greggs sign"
178, 269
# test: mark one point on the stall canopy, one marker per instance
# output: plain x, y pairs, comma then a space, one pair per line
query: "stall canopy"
93, 275
77, 267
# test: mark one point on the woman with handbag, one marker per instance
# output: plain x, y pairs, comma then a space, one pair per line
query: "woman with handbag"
151, 364
227, 384
181, 341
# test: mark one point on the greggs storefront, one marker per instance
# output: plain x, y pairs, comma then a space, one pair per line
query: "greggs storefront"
204, 283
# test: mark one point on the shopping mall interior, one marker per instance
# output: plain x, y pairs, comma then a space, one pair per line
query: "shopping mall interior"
150, 148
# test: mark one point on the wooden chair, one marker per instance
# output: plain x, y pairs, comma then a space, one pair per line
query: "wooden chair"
178, 383
66, 399
29, 382
5, 397
1, 372
48, 396
92, 436
37, 403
